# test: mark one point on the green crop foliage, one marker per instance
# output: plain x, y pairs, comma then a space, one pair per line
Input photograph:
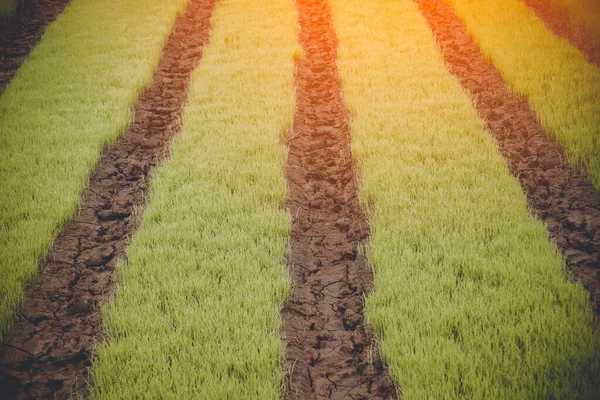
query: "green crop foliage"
561, 86
470, 298
196, 310
71, 97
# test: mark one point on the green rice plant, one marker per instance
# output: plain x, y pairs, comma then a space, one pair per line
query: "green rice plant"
561, 86
470, 298
72, 97
196, 310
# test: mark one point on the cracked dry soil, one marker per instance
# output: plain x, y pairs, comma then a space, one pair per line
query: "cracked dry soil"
22, 32
50, 349
330, 353
559, 195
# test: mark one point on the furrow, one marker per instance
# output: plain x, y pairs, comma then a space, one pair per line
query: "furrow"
330, 352
22, 32
562, 197
56, 329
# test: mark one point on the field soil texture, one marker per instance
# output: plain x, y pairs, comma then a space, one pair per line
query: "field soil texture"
557, 20
417, 264
330, 352
561, 196
22, 32
59, 324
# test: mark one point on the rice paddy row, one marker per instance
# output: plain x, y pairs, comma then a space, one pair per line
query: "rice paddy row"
470, 298
71, 98
196, 310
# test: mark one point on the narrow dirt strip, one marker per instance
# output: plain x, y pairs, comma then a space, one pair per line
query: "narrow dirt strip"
20, 34
54, 334
330, 353
563, 198
556, 18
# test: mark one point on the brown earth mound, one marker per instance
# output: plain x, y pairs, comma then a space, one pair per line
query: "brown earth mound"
329, 351
559, 195
557, 19
50, 349
22, 32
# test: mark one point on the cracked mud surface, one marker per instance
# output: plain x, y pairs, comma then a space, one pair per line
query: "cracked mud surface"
557, 20
49, 351
557, 194
329, 351
22, 32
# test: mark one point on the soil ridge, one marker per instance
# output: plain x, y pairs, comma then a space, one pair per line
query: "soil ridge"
330, 353
561, 196
51, 346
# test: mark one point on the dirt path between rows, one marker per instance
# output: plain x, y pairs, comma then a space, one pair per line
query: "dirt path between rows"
22, 32
329, 351
48, 354
560, 196
557, 19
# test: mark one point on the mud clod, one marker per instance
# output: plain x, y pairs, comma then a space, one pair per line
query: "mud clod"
558, 194
324, 330
49, 351
97, 257
78, 306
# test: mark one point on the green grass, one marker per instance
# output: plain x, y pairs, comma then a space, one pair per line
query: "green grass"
196, 310
561, 86
68, 100
470, 299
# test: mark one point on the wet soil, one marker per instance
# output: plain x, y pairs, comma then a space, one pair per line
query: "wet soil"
559, 195
22, 32
330, 353
49, 351
557, 19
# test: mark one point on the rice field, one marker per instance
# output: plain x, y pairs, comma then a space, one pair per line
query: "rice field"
334, 217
